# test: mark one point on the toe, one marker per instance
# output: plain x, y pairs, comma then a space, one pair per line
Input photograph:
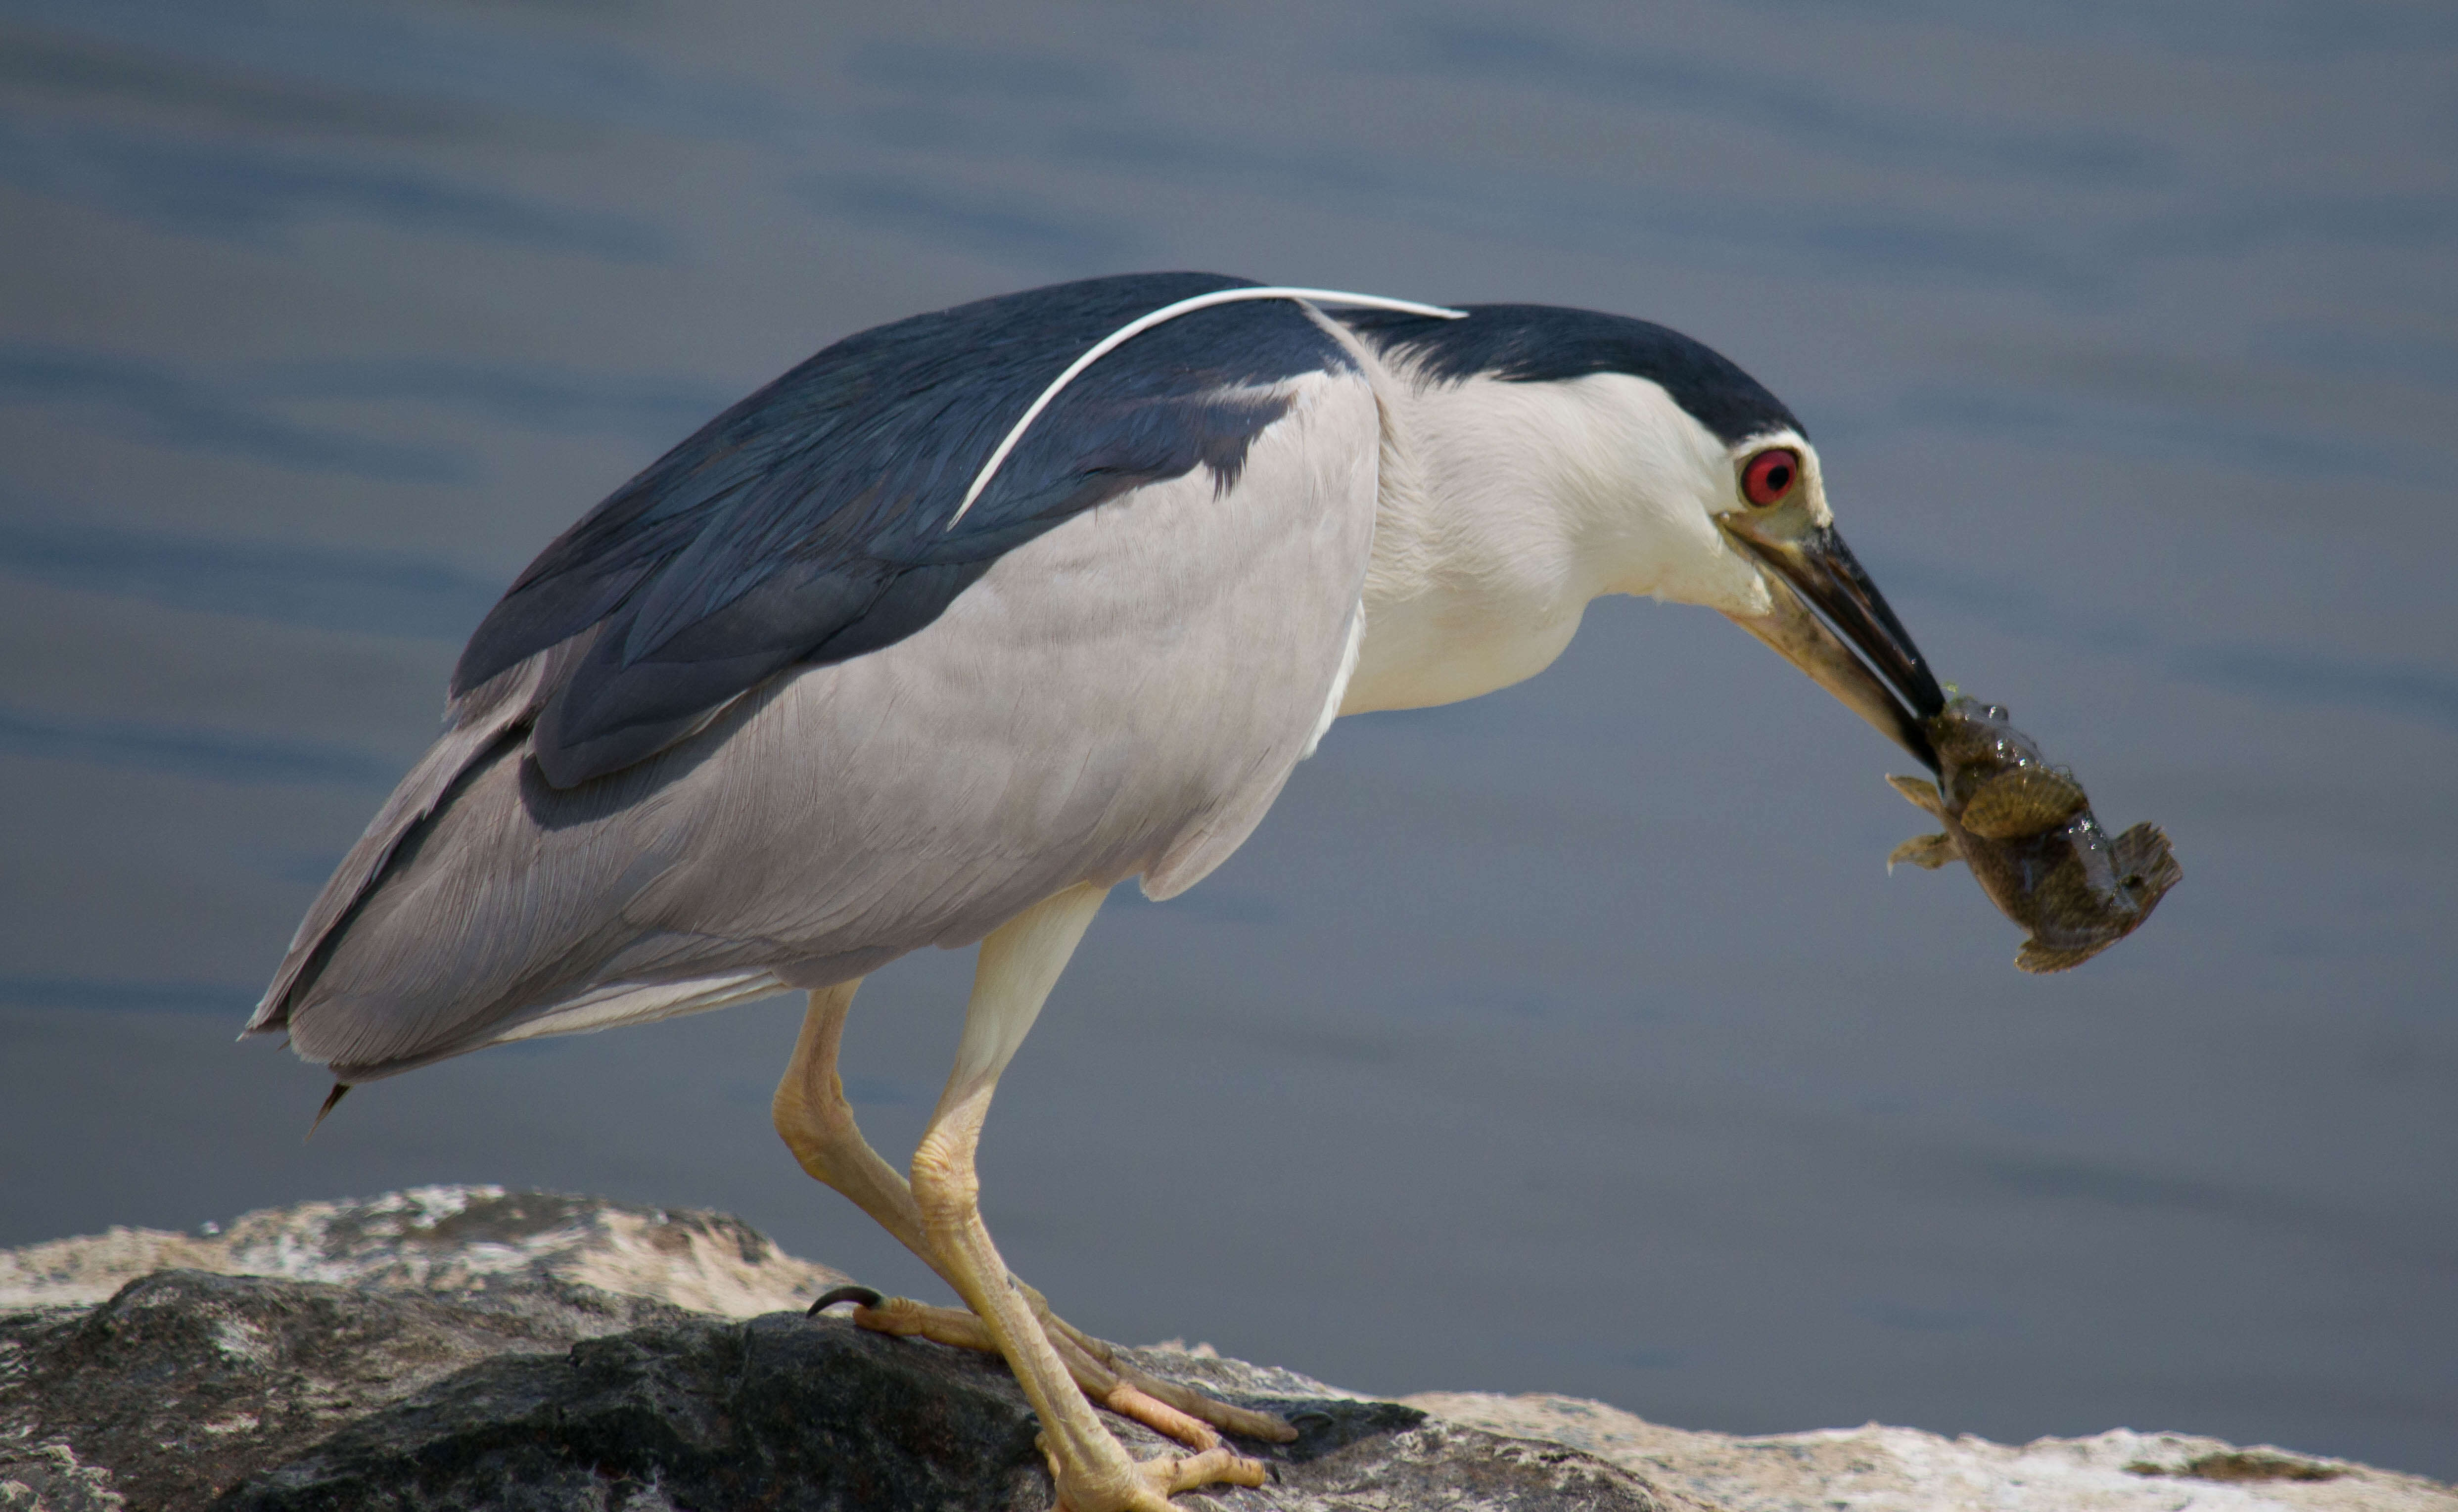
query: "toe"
1152, 1481
1212, 1467
1129, 1402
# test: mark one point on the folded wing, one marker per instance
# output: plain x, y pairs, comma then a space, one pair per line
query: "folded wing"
698, 755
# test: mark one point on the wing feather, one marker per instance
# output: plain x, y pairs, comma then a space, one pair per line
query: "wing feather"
478, 721
777, 532
806, 526
1123, 696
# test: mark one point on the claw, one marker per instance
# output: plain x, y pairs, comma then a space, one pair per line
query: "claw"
834, 1295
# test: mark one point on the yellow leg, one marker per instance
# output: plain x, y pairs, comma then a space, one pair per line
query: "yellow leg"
1019, 964
818, 1125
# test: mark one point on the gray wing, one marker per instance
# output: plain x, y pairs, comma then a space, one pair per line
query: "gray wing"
1122, 696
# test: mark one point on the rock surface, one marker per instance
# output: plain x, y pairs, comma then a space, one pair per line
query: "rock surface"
466, 1347
1880, 1469
453, 1240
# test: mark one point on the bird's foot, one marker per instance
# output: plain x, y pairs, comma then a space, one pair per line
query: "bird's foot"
1150, 1484
1105, 1378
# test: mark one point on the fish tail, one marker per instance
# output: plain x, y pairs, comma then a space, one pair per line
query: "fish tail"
2146, 865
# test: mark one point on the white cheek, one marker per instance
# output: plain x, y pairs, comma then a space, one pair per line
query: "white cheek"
1752, 595
1642, 486
1716, 576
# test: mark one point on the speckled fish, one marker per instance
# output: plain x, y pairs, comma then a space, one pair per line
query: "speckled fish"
2027, 832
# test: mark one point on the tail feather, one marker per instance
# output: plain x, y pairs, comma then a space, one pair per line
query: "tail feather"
602, 1008
483, 716
332, 1100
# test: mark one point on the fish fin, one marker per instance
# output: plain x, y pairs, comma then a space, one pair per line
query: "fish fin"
1921, 792
2040, 959
2145, 866
1927, 852
2028, 802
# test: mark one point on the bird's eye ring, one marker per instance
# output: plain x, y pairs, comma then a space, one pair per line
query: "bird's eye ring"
1768, 477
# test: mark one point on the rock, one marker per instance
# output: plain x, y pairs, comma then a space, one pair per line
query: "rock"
1906, 1470
437, 1349
790, 1413
468, 1347
184, 1382
447, 1239
247, 1393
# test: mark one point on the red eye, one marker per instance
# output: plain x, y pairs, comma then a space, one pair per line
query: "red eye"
1770, 475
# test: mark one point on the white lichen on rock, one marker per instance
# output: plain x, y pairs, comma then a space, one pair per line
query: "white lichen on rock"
1875, 1468
446, 1240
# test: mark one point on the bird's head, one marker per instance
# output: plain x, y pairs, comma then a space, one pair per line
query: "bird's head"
1739, 523
1657, 466
1793, 583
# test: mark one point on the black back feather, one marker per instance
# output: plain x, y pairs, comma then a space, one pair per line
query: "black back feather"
807, 523
1539, 344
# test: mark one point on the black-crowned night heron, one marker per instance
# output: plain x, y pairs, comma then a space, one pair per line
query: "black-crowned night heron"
970, 617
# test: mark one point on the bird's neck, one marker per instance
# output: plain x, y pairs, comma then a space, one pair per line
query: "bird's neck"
1496, 525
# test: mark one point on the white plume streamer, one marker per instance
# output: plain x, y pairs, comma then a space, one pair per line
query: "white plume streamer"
1170, 311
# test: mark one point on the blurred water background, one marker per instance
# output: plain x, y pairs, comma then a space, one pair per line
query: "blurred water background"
1575, 1039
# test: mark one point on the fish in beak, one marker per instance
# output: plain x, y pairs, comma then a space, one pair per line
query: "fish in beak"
2024, 827
1830, 621
2028, 833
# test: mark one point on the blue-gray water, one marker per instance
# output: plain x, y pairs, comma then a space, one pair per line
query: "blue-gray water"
1575, 1039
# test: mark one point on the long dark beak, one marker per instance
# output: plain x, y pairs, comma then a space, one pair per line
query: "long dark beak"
1831, 612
